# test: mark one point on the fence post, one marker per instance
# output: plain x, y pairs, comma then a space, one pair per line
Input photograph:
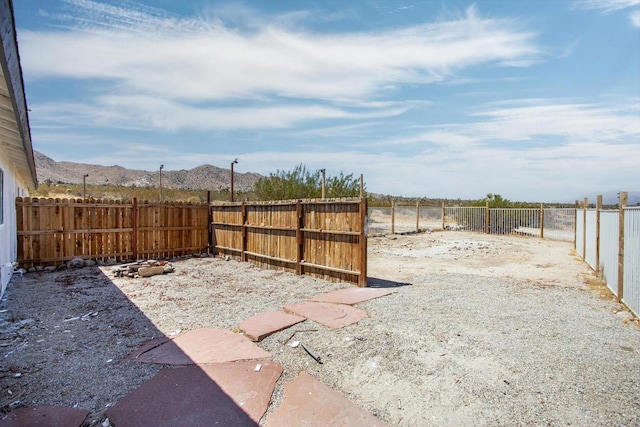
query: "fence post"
393, 217
443, 213
598, 207
585, 204
362, 279
623, 203
299, 242
243, 241
575, 226
417, 216
486, 218
134, 227
541, 221
209, 221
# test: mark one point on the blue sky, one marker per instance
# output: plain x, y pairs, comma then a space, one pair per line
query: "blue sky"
534, 100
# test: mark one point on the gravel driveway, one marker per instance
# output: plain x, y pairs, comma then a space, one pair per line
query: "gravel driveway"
482, 330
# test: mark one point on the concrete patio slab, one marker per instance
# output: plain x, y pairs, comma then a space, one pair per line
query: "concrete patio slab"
308, 402
236, 394
201, 346
331, 315
45, 416
264, 324
351, 296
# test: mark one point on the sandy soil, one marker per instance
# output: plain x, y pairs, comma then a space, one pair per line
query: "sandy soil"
482, 330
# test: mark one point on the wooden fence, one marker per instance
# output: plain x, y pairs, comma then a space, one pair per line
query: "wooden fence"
52, 231
324, 239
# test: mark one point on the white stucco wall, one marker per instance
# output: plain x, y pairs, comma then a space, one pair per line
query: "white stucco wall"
11, 188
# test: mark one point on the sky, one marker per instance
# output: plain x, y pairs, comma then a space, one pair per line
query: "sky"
535, 100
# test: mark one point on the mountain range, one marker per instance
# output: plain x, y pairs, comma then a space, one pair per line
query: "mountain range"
204, 177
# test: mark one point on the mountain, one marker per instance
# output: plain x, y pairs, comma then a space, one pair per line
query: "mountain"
205, 177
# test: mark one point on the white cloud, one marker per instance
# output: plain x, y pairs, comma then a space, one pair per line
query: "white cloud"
606, 6
213, 61
610, 6
147, 113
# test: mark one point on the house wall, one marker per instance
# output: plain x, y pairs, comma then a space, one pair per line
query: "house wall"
12, 187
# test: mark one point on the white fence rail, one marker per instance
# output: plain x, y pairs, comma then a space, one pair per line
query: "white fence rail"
609, 229
631, 281
600, 244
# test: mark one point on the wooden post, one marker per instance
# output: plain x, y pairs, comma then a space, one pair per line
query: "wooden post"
623, 203
443, 214
299, 237
134, 227
243, 242
598, 208
541, 221
417, 216
393, 217
209, 223
585, 204
362, 278
487, 228
575, 226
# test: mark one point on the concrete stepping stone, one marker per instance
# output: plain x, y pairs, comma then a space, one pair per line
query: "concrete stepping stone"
331, 315
264, 324
351, 296
45, 416
200, 346
308, 402
232, 393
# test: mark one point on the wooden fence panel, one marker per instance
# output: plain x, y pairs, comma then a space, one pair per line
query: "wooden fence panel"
319, 238
53, 231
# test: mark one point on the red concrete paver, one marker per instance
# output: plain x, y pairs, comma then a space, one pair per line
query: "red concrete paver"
148, 345
45, 416
331, 315
264, 324
308, 402
351, 295
231, 393
202, 346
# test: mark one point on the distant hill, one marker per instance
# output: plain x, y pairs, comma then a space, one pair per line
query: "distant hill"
205, 177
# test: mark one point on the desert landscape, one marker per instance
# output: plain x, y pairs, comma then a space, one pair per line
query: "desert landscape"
479, 330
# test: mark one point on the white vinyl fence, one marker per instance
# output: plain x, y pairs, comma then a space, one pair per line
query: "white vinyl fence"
599, 243
631, 281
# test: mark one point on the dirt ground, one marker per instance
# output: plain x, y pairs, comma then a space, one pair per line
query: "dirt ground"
481, 330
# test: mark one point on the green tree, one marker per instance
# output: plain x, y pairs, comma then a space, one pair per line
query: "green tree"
301, 183
495, 201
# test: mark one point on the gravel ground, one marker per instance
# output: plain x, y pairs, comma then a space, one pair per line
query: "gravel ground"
482, 330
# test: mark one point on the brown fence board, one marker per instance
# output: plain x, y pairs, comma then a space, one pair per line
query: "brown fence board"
51, 231
324, 239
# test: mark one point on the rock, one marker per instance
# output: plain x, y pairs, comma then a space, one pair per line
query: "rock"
50, 268
111, 261
150, 271
89, 263
101, 263
76, 262
39, 268
31, 270
625, 316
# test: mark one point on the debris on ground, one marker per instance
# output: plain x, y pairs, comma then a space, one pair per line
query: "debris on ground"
143, 269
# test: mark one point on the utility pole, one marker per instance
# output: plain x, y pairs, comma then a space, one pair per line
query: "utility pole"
161, 167
84, 187
235, 162
323, 182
